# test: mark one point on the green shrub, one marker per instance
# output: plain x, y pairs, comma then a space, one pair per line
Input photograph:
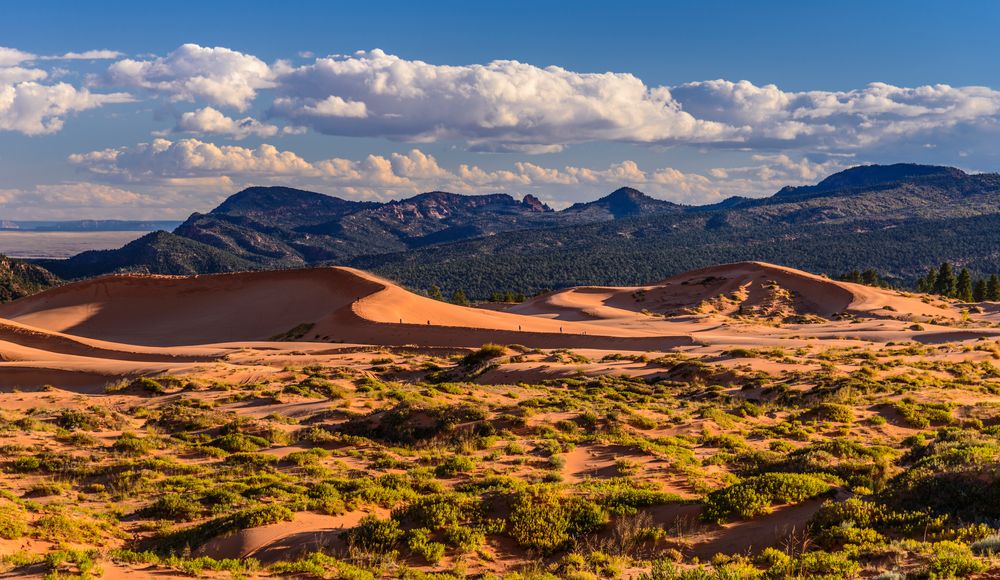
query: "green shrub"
315, 387
832, 412
149, 385
923, 415
374, 535
63, 526
239, 443
131, 444
13, 521
26, 464
438, 511
325, 498
541, 519
82, 563
419, 542
321, 565
175, 507
825, 565
486, 353
754, 496
954, 560
455, 464
464, 538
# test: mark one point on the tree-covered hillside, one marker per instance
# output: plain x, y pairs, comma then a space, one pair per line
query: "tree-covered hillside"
18, 278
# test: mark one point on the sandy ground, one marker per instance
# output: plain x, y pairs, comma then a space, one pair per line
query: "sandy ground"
89, 332
248, 327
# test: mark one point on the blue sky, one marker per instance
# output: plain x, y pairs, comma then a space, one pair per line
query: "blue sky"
189, 102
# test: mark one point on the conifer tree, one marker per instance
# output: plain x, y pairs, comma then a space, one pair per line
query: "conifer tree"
435, 292
993, 288
979, 290
929, 281
945, 283
963, 287
459, 298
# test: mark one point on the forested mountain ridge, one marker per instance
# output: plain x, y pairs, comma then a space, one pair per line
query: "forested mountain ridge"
255, 225
19, 278
900, 219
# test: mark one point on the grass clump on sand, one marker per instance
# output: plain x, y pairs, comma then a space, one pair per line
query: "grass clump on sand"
486, 353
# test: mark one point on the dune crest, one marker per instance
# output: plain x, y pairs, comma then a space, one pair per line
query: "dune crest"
315, 304
755, 291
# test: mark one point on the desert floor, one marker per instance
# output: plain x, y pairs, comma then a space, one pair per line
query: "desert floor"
746, 420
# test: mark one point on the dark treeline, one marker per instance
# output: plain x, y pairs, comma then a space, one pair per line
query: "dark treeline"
635, 252
869, 277
944, 282
941, 281
459, 297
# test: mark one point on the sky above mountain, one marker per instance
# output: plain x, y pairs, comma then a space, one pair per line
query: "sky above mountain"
123, 110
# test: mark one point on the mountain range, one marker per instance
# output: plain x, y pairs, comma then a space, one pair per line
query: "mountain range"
899, 219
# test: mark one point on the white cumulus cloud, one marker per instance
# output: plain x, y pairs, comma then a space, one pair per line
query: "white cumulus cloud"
211, 121
162, 158
508, 103
876, 114
102, 54
35, 109
28, 106
218, 75
13, 56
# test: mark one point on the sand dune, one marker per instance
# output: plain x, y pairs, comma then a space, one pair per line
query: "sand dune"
749, 289
88, 333
307, 532
35, 339
328, 304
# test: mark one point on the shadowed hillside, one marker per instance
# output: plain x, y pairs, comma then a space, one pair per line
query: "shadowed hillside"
925, 214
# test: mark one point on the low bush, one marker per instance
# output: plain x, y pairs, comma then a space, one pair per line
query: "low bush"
542, 519
754, 496
374, 535
484, 354
420, 543
454, 465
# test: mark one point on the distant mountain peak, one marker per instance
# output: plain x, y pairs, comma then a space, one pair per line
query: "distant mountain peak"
535, 204
264, 199
868, 176
625, 202
629, 193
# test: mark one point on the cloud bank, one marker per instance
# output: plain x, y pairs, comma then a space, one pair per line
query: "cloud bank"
500, 106
227, 109
192, 161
